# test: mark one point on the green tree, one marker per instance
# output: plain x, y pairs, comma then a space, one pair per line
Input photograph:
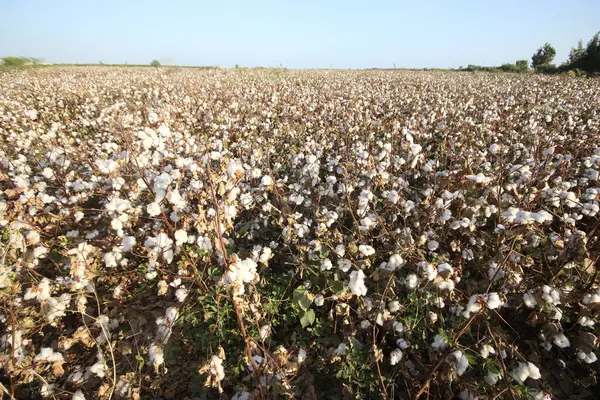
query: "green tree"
590, 62
576, 54
543, 56
522, 65
155, 63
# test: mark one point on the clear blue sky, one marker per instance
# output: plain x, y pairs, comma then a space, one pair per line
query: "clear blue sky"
296, 34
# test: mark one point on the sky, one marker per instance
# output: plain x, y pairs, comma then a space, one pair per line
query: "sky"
294, 34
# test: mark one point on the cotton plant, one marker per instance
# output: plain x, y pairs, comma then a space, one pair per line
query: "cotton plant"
135, 200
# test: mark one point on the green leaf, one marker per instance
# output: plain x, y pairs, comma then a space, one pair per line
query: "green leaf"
307, 318
337, 287
588, 266
356, 344
303, 298
324, 253
140, 359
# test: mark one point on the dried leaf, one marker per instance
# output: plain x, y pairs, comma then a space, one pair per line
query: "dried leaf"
57, 368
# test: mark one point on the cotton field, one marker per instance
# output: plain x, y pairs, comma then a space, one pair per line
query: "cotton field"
275, 234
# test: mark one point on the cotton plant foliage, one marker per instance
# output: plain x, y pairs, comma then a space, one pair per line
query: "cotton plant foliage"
248, 234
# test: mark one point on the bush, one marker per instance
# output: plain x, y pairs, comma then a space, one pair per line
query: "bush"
16, 61
508, 68
522, 66
546, 69
155, 63
576, 73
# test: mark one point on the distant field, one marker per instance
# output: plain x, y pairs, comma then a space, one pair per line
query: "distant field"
176, 233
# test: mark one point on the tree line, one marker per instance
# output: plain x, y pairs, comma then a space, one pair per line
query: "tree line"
583, 60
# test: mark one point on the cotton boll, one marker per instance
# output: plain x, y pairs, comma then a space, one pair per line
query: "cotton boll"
439, 342
156, 356
561, 341
529, 300
171, 314
266, 181
495, 273
493, 301
465, 394
393, 197
459, 361
153, 209
479, 178
344, 265
433, 245
398, 327
587, 358
445, 270
301, 355
395, 261
326, 264
365, 324
238, 274
264, 332
472, 306
204, 243
486, 350
128, 243
395, 356
357, 283
296, 199
47, 389
534, 372
550, 150
586, 321
492, 378
181, 237
246, 200
411, 281
98, 369
495, 148
174, 197
48, 354
341, 349
242, 396
525, 370
41, 292
78, 395
235, 169
265, 255
181, 294
48, 173
366, 250
56, 308
92, 234
110, 260
40, 252
394, 306
216, 368
550, 295
246, 270
432, 317
539, 395
319, 300
32, 237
